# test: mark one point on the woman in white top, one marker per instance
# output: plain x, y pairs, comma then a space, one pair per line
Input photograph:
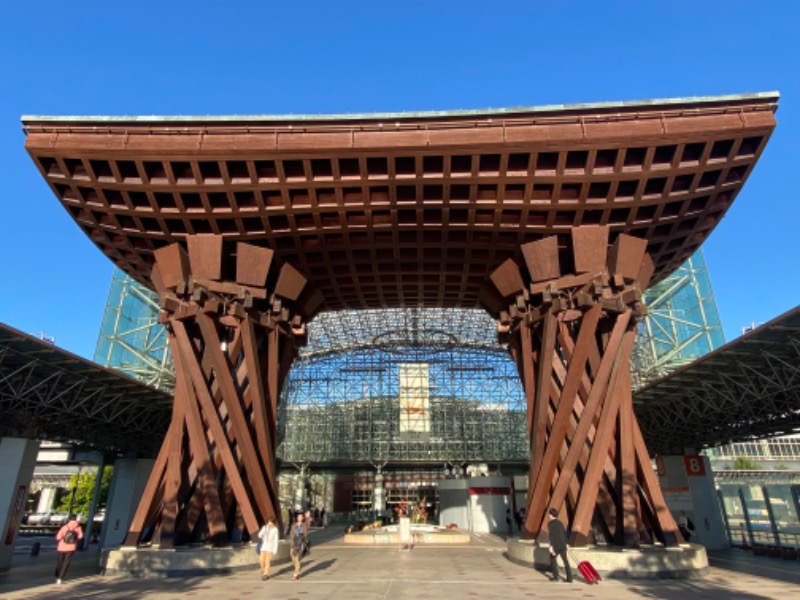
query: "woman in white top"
269, 546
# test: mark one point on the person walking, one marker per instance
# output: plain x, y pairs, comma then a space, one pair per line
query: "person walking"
558, 546
269, 546
685, 526
67, 537
297, 549
307, 521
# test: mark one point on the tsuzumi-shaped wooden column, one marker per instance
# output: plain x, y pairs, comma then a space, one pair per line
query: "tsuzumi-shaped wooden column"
234, 320
569, 319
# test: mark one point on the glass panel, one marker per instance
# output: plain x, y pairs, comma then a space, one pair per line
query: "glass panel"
784, 511
734, 510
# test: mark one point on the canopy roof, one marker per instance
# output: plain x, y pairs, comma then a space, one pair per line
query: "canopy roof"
748, 389
48, 393
405, 209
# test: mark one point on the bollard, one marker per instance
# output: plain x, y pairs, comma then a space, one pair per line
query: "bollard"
37, 546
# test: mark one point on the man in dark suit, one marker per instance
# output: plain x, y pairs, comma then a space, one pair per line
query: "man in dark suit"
558, 545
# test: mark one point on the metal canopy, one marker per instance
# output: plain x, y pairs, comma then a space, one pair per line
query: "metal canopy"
747, 389
48, 393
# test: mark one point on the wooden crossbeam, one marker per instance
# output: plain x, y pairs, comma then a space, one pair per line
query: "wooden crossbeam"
202, 457
213, 421
581, 523
558, 432
543, 384
232, 343
571, 336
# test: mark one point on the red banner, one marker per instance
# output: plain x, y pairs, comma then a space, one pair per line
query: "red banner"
490, 491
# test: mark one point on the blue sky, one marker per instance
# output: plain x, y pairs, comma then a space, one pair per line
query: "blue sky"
198, 57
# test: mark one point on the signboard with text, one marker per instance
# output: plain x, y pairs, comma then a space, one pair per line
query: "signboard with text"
695, 467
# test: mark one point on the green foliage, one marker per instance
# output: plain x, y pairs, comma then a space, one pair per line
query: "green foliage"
745, 463
780, 467
83, 486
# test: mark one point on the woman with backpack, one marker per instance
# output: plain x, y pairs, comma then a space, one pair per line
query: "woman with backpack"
68, 537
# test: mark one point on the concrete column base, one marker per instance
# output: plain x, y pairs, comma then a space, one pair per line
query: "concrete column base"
17, 461
687, 561
190, 561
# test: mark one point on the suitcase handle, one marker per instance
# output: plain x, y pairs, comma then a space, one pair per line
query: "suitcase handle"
572, 557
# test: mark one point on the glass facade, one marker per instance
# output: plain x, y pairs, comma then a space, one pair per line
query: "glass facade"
762, 513
408, 385
682, 324
131, 340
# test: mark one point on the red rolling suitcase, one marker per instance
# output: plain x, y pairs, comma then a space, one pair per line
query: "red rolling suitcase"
588, 572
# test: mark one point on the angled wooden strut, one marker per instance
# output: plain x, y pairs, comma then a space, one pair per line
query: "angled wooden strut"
571, 335
233, 336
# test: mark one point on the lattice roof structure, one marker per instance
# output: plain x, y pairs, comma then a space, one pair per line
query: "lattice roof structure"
48, 393
396, 329
407, 209
747, 389
344, 398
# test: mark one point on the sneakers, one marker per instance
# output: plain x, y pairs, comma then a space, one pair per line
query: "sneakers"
58, 582
264, 577
296, 576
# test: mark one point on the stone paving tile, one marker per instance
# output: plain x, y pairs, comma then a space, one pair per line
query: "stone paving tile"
336, 571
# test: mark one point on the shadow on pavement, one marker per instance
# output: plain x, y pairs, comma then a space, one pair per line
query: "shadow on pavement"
703, 588
320, 566
741, 563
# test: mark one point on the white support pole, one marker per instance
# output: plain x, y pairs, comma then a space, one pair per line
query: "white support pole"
688, 485
17, 461
127, 486
98, 483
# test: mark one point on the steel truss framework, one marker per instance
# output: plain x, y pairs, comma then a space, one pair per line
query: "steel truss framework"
747, 389
131, 339
682, 323
344, 399
47, 393
774, 449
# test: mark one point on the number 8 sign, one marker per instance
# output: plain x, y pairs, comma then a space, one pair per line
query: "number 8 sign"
695, 467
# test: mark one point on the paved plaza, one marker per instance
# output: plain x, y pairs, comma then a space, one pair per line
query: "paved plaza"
334, 570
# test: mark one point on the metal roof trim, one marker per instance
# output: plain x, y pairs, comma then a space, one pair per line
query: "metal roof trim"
772, 96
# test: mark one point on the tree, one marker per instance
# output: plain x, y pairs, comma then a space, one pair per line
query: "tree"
82, 486
745, 463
